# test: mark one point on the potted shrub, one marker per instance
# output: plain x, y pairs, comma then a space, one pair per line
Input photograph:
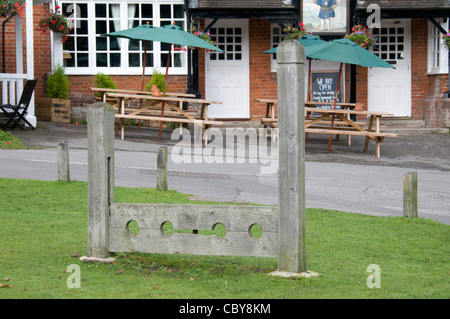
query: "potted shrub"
55, 107
105, 82
156, 84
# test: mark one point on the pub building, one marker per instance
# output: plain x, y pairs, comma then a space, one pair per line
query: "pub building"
409, 36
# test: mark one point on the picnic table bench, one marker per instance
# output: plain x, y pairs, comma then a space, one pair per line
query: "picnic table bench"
104, 92
335, 122
170, 110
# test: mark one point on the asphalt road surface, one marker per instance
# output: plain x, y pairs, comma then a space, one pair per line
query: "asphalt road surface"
345, 179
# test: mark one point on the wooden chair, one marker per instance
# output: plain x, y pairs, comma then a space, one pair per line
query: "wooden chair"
16, 113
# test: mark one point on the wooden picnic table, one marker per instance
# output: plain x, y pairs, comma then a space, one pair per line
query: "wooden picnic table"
271, 121
326, 123
104, 92
152, 112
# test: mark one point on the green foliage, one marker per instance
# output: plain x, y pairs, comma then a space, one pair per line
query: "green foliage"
361, 36
57, 84
158, 79
10, 141
11, 8
104, 81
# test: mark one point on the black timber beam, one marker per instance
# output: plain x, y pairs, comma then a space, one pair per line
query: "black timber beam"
361, 15
274, 16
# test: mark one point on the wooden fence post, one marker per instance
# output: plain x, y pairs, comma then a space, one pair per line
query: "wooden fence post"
410, 198
100, 118
161, 174
63, 162
291, 173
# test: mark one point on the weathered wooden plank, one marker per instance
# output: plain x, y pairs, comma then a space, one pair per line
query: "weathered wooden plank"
410, 198
348, 132
233, 244
291, 172
237, 221
63, 162
234, 217
100, 176
167, 119
161, 162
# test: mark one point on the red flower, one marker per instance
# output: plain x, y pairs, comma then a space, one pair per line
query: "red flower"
54, 21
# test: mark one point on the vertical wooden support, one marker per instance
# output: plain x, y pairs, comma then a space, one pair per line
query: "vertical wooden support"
410, 198
291, 173
63, 162
161, 174
100, 117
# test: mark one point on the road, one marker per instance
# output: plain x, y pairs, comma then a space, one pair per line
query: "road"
357, 188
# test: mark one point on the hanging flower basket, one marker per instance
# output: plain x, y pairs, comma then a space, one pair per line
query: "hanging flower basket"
202, 35
361, 36
446, 38
295, 33
57, 23
9, 8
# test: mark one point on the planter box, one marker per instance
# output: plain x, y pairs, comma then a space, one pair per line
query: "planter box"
53, 110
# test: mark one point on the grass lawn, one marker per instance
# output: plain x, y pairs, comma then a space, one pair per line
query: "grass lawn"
42, 224
10, 141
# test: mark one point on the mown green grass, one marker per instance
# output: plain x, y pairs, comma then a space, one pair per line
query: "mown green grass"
43, 223
10, 141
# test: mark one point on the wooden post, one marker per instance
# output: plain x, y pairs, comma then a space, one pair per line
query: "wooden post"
410, 198
63, 162
100, 117
291, 173
161, 175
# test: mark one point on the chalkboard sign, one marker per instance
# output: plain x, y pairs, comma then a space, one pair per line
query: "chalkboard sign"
324, 87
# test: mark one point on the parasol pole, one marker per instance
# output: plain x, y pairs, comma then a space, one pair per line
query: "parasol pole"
143, 75
164, 91
309, 92
334, 107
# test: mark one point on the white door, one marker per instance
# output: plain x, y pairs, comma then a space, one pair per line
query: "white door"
389, 90
227, 74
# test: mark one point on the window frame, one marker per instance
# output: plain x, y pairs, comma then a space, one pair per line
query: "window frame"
442, 59
125, 69
281, 35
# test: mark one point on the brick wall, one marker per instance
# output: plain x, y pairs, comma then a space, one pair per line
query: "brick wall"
426, 90
80, 94
419, 78
263, 83
42, 48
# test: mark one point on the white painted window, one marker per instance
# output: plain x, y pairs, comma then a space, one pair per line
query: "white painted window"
87, 52
437, 52
277, 36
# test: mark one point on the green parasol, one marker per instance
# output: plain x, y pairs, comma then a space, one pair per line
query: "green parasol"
171, 34
309, 42
345, 51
